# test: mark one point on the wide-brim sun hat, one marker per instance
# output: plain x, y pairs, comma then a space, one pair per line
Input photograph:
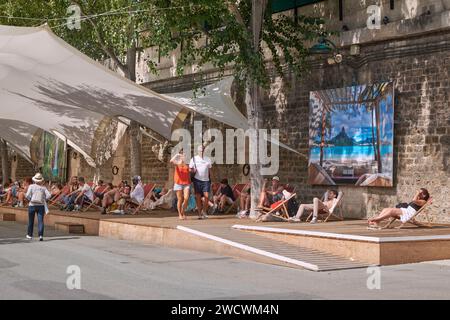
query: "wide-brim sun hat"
38, 177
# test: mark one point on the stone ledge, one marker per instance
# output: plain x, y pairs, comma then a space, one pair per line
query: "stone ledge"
7, 217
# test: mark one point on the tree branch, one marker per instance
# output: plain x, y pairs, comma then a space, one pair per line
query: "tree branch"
102, 42
235, 11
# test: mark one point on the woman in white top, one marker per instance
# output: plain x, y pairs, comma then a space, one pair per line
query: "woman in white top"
38, 195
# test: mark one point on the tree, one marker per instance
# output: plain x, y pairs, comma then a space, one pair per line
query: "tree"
237, 33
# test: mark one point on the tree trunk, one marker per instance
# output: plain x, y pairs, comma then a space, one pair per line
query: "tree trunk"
253, 103
135, 144
5, 163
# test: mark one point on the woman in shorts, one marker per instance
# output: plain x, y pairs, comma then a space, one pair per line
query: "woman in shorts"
182, 183
403, 214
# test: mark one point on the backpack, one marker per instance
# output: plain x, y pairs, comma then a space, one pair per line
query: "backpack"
38, 196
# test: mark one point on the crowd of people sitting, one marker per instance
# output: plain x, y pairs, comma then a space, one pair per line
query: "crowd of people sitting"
276, 200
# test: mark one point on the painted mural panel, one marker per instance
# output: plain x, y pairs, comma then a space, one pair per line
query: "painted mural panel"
351, 136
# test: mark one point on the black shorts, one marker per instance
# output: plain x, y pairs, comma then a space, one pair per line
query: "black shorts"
201, 187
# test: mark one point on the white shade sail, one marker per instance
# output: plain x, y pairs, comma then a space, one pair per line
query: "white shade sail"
48, 84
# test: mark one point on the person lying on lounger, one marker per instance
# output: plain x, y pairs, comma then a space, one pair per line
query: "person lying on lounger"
404, 214
316, 206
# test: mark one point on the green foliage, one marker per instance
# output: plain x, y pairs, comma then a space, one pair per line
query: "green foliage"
114, 26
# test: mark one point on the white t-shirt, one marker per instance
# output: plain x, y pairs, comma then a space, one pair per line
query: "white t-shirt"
203, 165
138, 193
87, 191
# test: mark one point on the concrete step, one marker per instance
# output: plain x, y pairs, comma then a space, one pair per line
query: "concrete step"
70, 227
292, 255
7, 217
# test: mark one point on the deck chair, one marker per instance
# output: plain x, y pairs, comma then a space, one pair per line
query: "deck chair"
89, 205
280, 206
333, 212
237, 190
56, 199
148, 188
412, 220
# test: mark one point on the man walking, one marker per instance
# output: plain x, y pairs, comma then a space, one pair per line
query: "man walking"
201, 166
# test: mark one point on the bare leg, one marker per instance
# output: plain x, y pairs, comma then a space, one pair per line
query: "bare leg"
385, 214
198, 200
262, 199
180, 203
206, 201
187, 193
318, 205
302, 209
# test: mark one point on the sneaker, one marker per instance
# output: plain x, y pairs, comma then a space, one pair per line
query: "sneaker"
41, 238
314, 220
28, 237
76, 208
205, 216
214, 209
294, 219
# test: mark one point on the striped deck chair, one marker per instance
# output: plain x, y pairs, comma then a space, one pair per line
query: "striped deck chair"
148, 188
333, 212
279, 207
94, 204
56, 199
412, 220
237, 190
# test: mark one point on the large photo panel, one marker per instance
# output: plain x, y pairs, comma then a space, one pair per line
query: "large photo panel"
351, 136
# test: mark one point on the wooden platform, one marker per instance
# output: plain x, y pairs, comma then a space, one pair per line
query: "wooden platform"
323, 246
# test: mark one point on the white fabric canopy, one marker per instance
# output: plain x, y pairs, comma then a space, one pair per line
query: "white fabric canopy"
48, 84
215, 101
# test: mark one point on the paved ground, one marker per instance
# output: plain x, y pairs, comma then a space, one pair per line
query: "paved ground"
113, 269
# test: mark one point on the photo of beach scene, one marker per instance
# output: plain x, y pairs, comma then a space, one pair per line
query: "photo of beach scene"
351, 136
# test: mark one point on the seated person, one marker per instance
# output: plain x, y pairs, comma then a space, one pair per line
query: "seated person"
316, 206
100, 191
56, 189
244, 202
80, 196
272, 194
121, 198
22, 191
73, 189
11, 193
110, 196
137, 194
164, 200
223, 196
404, 214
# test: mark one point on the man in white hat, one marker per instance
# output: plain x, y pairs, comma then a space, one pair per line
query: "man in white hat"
272, 194
38, 195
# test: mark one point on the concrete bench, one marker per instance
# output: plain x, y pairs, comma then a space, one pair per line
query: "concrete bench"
7, 217
70, 227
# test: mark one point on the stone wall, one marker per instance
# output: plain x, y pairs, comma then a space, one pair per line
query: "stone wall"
420, 69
